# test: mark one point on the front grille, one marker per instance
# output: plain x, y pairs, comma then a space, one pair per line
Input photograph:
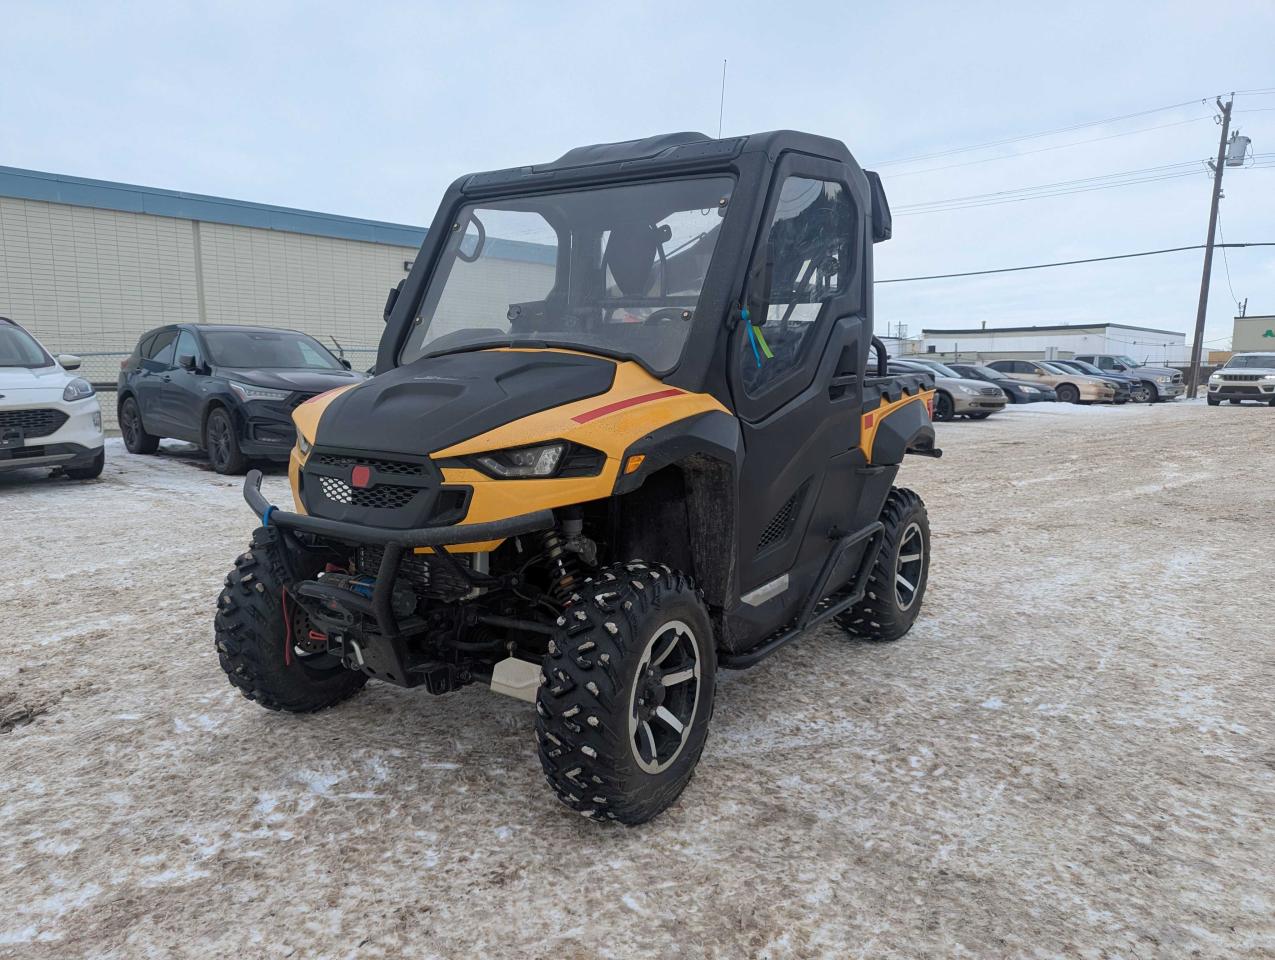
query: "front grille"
990, 391
32, 423
1177, 378
1247, 391
1241, 377
380, 497
396, 467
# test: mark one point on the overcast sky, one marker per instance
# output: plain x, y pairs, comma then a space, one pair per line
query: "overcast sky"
371, 109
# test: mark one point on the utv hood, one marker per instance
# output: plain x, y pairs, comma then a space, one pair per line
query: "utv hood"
437, 402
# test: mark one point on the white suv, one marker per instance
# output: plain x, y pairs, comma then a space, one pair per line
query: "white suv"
1246, 376
48, 416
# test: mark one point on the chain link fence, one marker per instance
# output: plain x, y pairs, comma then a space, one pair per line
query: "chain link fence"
103, 370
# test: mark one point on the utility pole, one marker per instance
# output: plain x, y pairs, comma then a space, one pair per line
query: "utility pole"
1193, 379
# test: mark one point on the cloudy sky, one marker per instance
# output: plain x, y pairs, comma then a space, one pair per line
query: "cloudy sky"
370, 109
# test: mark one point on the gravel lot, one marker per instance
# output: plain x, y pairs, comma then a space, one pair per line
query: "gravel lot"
1072, 754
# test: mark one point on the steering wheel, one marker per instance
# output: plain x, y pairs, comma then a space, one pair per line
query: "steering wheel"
667, 314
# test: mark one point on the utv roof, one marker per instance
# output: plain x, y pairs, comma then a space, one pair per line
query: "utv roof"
665, 151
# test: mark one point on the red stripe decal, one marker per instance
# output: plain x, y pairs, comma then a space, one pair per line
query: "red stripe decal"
622, 404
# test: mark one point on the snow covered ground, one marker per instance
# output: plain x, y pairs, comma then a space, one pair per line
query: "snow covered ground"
1072, 754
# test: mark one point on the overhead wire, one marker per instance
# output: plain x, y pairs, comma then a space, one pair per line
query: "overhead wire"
1064, 263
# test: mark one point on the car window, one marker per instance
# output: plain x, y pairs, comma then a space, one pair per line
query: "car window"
809, 248
162, 350
188, 346
1106, 363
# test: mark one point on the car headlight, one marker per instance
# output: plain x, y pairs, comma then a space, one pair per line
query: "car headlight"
1269, 376
538, 461
964, 389
1216, 378
1163, 379
1029, 390
246, 392
78, 389
302, 443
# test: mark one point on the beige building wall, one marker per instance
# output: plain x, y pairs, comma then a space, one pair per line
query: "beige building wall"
87, 280
1253, 334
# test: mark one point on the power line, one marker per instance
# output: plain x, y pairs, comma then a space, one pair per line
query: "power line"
1067, 263
1186, 166
1045, 196
1059, 146
1035, 136
1225, 262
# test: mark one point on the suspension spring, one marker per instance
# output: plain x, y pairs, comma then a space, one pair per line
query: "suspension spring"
564, 567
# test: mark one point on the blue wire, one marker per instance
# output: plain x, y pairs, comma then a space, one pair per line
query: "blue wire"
752, 339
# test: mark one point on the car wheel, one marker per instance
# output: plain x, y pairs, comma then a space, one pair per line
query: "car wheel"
1214, 401
944, 408
897, 584
1067, 393
980, 416
1140, 393
626, 693
1152, 393
223, 444
136, 439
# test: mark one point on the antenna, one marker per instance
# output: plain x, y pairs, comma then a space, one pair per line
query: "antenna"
721, 107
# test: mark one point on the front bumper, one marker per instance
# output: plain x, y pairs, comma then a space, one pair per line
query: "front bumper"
962, 403
266, 430
1170, 391
78, 438
1258, 391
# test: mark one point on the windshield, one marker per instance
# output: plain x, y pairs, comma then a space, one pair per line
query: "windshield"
1087, 367
268, 350
1258, 360
19, 349
992, 373
1055, 368
616, 270
1127, 361
941, 369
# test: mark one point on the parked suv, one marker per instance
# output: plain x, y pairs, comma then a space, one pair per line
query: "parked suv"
1074, 388
48, 416
1246, 376
956, 396
229, 389
1156, 383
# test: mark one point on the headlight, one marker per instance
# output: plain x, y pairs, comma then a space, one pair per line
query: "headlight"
246, 391
1163, 379
964, 389
1029, 390
538, 461
1269, 376
1217, 378
78, 389
302, 443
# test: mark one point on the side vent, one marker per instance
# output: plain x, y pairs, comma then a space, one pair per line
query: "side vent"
781, 524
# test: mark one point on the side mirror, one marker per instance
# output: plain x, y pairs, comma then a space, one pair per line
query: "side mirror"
68, 361
882, 221
391, 299
345, 363
187, 362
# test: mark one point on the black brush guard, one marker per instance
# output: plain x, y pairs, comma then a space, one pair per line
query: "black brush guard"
380, 606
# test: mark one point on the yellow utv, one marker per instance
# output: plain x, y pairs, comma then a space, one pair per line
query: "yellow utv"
629, 426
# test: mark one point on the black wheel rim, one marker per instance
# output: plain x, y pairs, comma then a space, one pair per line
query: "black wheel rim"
943, 408
664, 697
219, 441
908, 566
128, 425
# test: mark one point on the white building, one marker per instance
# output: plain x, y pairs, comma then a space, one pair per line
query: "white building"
1253, 334
1143, 344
